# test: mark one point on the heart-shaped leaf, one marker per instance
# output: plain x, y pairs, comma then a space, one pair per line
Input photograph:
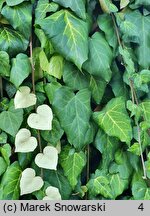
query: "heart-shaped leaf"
29, 182
24, 98
24, 142
11, 120
52, 193
48, 159
43, 119
21, 68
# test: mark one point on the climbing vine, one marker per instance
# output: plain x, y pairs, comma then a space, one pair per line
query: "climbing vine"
74, 99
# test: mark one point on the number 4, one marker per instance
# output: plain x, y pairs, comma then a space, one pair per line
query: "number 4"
141, 207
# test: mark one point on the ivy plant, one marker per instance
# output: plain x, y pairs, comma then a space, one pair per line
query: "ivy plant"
74, 99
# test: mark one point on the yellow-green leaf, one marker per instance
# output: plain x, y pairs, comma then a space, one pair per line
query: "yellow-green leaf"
72, 163
114, 120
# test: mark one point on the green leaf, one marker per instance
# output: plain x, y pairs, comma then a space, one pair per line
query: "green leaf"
9, 188
3, 138
10, 121
24, 159
14, 2
105, 23
1, 4
76, 123
100, 57
43, 7
146, 109
128, 62
4, 64
107, 6
90, 134
12, 41
108, 185
114, 120
139, 3
141, 31
3, 166
135, 149
55, 134
56, 66
19, 17
145, 76
41, 193
21, 68
97, 87
147, 165
107, 146
121, 165
44, 63
119, 88
147, 194
36, 60
73, 77
145, 139
68, 34
45, 43
134, 161
118, 185
78, 6
6, 153
77, 81
57, 179
4, 104
100, 184
50, 90
134, 109
10, 90
139, 189
72, 163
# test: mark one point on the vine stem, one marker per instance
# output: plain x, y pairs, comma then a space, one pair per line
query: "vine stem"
116, 30
134, 99
142, 158
138, 130
32, 65
1, 87
87, 168
33, 86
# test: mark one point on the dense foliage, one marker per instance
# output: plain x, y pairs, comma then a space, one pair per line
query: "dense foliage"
75, 99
